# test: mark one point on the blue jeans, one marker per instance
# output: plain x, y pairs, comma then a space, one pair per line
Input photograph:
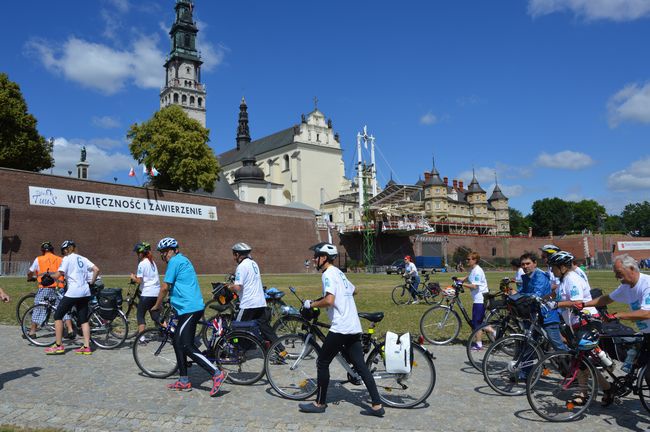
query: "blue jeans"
554, 336
413, 288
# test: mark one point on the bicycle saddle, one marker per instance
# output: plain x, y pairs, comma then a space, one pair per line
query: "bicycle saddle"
372, 316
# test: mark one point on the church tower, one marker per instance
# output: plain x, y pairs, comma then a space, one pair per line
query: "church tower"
183, 85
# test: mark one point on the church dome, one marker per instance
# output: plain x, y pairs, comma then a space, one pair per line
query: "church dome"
249, 171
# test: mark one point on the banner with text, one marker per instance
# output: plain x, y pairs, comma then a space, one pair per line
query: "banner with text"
633, 245
49, 197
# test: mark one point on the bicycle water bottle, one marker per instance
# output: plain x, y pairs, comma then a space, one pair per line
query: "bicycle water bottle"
604, 358
629, 360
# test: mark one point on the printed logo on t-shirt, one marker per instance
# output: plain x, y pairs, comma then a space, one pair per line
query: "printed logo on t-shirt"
574, 291
635, 305
647, 300
477, 279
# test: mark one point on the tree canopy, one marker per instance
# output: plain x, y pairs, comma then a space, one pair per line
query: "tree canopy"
21, 146
551, 214
177, 147
636, 218
518, 222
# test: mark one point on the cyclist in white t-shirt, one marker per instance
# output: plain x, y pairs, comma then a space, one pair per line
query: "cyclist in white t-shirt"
477, 284
410, 270
249, 288
147, 276
345, 332
75, 270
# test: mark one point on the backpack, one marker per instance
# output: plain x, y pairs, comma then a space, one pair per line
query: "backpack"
110, 301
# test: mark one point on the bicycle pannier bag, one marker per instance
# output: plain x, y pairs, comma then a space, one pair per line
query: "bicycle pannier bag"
109, 300
398, 352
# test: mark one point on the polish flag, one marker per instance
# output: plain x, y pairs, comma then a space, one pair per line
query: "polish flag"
145, 171
154, 172
132, 172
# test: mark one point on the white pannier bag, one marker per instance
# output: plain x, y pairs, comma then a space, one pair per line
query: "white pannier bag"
398, 352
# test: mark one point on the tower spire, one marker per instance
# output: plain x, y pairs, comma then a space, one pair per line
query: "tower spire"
243, 133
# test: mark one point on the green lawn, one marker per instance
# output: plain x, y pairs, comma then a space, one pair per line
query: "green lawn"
374, 294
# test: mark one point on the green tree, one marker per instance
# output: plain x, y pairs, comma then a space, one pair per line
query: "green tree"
21, 146
551, 214
518, 222
614, 223
586, 214
177, 147
636, 217
460, 255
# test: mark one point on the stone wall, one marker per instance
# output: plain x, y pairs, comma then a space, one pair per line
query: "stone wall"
280, 236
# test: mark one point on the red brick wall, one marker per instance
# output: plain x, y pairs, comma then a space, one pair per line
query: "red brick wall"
280, 237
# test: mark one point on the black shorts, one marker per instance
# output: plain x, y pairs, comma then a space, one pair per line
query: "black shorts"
145, 304
66, 305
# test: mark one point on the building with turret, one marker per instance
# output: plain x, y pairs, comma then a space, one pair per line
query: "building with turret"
183, 85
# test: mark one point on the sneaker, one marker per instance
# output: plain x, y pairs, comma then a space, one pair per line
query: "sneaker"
180, 386
373, 412
84, 350
415, 302
55, 349
476, 348
31, 336
217, 380
70, 335
311, 408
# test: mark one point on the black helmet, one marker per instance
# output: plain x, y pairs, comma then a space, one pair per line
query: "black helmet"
561, 258
142, 247
47, 246
66, 244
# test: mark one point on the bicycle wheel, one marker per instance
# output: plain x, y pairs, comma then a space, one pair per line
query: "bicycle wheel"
208, 332
440, 325
131, 315
108, 334
242, 355
400, 295
643, 384
403, 390
474, 355
43, 317
430, 298
556, 382
289, 324
508, 362
294, 375
23, 304
153, 352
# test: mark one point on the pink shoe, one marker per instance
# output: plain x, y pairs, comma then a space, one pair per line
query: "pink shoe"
217, 380
180, 386
55, 349
83, 350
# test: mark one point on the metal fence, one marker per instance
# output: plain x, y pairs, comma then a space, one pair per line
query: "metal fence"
14, 268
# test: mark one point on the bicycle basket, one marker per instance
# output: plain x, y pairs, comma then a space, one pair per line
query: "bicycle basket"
310, 314
434, 288
522, 306
222, 294
494, 301
109, 300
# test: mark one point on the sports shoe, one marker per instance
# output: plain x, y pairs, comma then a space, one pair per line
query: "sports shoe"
311, 408
476, 347
217, 380
70, 335
84, 350
180, 386
373, 412
55, 349
415, 302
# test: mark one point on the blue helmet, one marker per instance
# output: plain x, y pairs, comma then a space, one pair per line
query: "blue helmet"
587, 339
167, 243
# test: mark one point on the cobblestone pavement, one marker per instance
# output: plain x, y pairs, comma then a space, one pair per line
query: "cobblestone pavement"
106, 391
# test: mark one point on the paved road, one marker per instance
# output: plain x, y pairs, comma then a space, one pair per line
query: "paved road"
105, 391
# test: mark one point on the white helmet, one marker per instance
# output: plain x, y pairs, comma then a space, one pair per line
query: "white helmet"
325, 249
242, 248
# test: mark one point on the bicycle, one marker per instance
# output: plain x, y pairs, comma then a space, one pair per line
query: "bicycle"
427, 291
508, 361
441, 324
239, 352
131, 302
293, 376
23, 304
106, 334
560, 378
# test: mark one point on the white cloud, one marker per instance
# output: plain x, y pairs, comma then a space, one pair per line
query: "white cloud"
122, 6
636, 176
428, 119
615, 10
632, 103
212, 54
100, 67
483, 175
565, 160
106, 122
102, 163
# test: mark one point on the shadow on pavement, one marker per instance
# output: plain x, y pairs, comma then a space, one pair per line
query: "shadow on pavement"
17, 374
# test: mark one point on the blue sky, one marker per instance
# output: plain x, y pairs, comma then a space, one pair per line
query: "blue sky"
553, 95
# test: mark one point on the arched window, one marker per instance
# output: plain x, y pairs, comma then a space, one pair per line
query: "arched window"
184, 99
286, 162
175, 97
192, 100
261, 200
200, 101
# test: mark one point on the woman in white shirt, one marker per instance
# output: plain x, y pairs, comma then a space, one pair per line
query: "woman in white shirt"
149, 280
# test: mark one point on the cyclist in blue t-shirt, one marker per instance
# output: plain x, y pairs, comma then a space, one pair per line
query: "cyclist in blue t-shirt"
185, 296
